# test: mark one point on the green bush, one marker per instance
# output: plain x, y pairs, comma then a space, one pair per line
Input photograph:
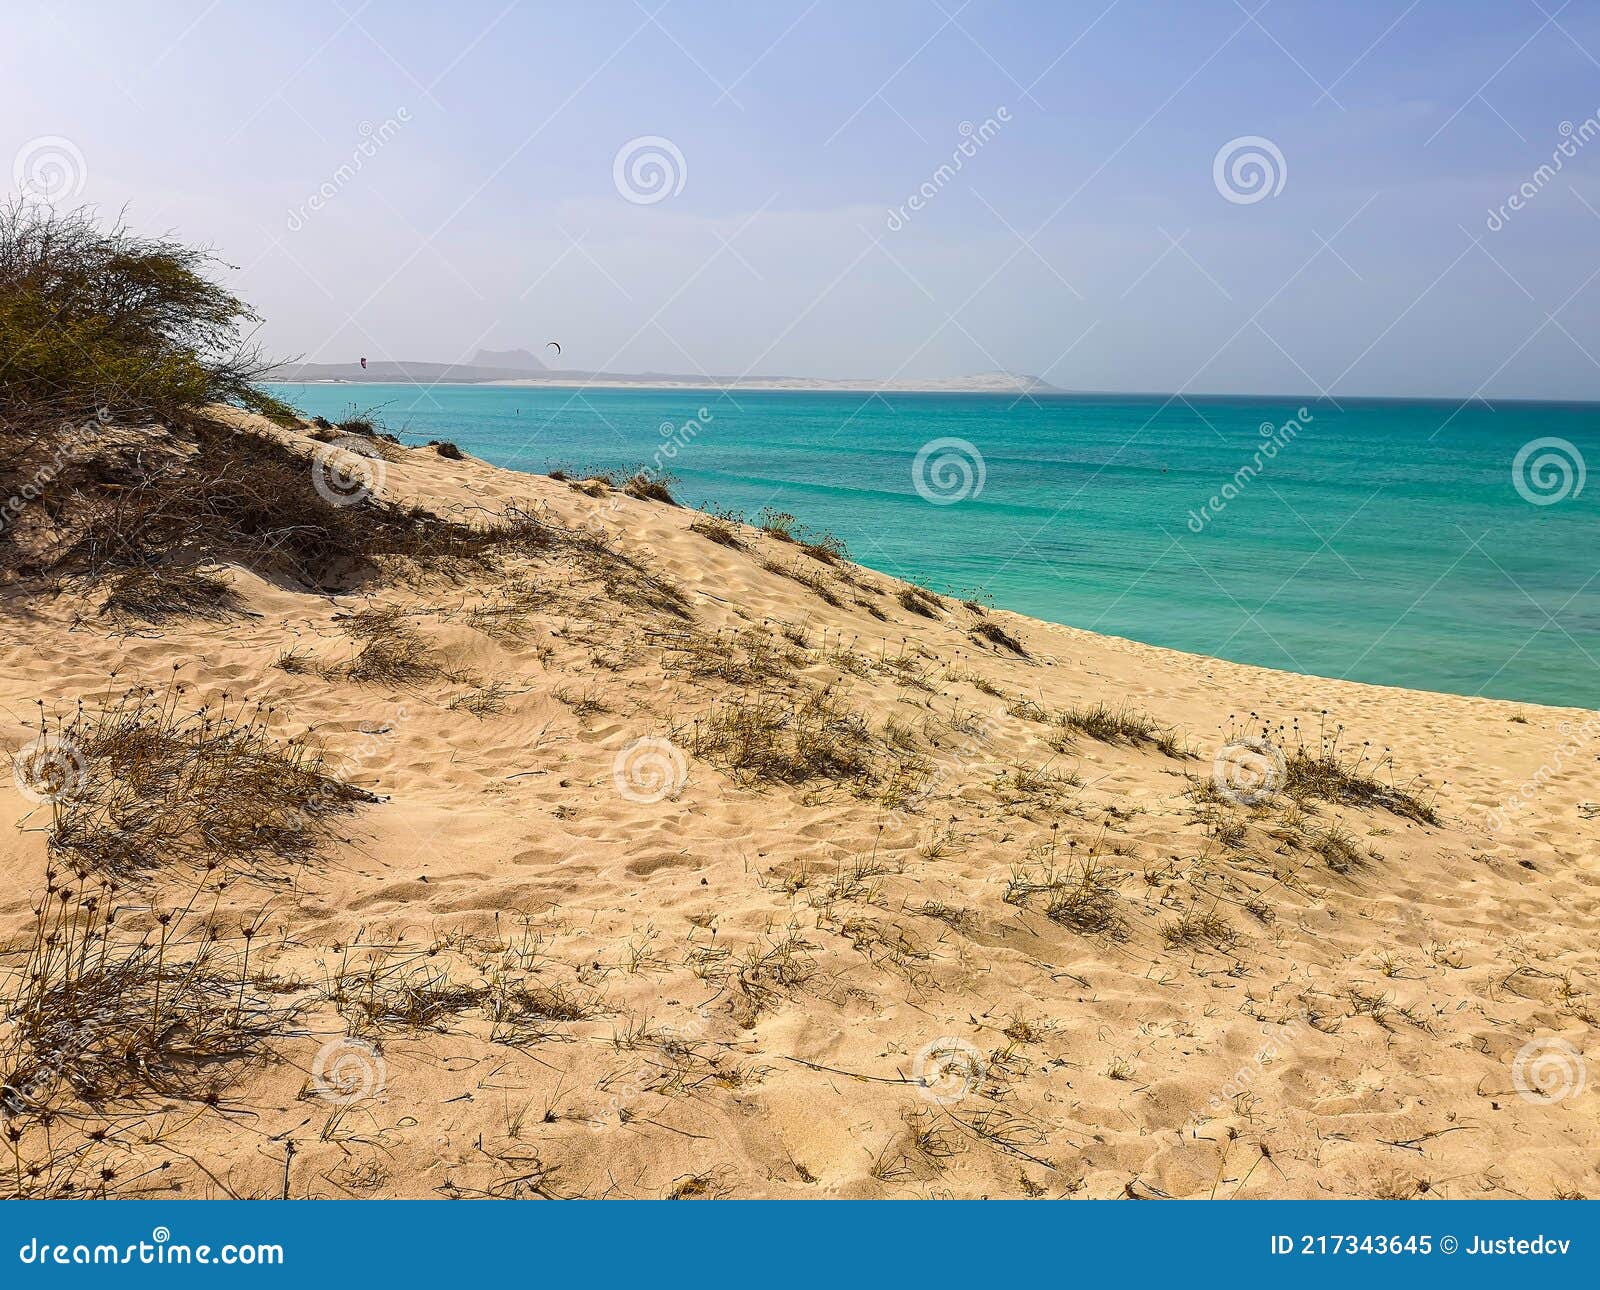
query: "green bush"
97, 321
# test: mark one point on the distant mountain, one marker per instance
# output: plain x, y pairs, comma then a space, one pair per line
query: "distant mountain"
519, 360
384, 372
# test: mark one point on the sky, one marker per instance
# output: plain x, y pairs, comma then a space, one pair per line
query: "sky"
911, 189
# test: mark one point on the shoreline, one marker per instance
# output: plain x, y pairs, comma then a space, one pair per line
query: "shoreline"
1195, 655
1044, 392
714, 387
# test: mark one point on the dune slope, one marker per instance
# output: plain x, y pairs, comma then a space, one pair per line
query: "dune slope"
681, 859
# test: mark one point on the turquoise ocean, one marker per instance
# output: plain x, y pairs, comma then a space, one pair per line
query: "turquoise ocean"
1400, 542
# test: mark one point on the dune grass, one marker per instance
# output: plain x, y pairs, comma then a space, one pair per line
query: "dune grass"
157, 786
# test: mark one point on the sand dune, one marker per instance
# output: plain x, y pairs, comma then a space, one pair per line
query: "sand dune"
766, 877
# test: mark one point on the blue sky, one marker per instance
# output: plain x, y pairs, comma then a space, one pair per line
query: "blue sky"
1086, 239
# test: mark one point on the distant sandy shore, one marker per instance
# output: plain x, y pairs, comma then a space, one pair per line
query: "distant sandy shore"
955, 385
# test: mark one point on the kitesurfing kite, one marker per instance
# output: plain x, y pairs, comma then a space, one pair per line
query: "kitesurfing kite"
552, 345
363, 364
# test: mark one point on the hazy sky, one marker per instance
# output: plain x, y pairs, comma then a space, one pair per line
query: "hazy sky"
414, 181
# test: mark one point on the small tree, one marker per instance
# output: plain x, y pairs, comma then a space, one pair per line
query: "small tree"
96, 321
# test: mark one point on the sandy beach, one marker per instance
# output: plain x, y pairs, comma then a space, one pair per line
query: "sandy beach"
717, 865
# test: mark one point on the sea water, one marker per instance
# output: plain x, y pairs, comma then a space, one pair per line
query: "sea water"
1402, 542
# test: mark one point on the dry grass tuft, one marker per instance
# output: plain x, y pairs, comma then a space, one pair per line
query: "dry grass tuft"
1082, 897
151, 786
773, 740
391, 651
720, 527
919, 601
740, 657
1126, 724
1337, 848
649, 488
1196, 928
995, 634
159, 593
104, 1023
1345, 780
812, 582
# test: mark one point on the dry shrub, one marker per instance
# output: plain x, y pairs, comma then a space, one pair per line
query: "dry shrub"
720, 527
106, 1026
774, 740
158, 593
919, 601
147, 785
1345, 780
649, 488
1083, 897
95, 320
998, 635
